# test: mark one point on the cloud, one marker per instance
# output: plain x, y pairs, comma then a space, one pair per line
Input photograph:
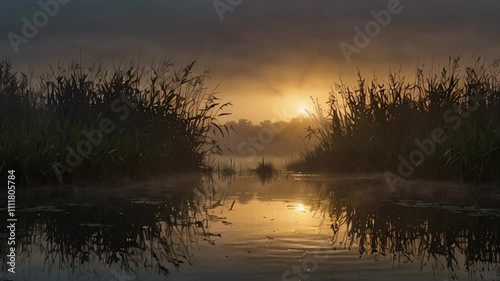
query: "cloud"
262, 47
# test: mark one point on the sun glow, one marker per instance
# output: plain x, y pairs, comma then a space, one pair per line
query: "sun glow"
302, 109
301, 208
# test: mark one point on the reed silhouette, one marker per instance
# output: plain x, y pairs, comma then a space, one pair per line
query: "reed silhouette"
265, 171
366, 128
156, 120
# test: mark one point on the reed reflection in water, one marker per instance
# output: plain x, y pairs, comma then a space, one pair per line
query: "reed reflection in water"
442, 235
238, 227
149, 227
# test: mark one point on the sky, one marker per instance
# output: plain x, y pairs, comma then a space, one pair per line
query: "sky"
267, 57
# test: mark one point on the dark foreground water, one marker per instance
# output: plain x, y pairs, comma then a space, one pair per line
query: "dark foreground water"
291, 227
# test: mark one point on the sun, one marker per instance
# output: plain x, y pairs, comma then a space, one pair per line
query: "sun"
302, 109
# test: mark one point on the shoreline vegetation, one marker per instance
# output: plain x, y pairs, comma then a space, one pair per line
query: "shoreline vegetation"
443, 126
87, 124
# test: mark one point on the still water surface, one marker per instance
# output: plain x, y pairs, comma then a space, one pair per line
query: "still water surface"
289, 227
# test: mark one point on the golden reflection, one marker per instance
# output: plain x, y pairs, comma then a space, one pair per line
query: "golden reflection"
301, 208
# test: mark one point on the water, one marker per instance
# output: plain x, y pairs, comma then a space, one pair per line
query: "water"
288, 227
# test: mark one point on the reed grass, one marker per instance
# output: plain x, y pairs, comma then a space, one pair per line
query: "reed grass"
265, 171
163, 120
366, 127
